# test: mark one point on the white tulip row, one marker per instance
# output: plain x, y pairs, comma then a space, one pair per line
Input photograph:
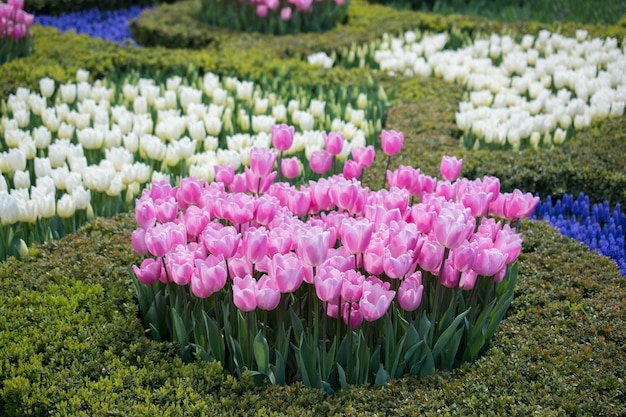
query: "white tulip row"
532, 92
78, 138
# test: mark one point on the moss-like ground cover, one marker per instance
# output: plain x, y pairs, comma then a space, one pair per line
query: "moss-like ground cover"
71, 341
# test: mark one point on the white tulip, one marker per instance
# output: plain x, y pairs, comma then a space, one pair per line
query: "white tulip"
112, 137
260, 105
172, 83
130, 92
43, 167
68, 93
210, 143
143, 172
16, 160
46, 184
36, 103
244, 90
159, 176
170, 100
306, 121
27, 211
131, 142
317, 108
65, 207
279, 112
83, 90
9, 209
219, 96
3, 184
90, 138
60, 176
210, 82
22, 117
21, 179
189, 95
243, 120
185, 147
262, 123
116, 186
205, 172
46, 86
140, 105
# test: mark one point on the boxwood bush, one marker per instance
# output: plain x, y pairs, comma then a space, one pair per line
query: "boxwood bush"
72, 342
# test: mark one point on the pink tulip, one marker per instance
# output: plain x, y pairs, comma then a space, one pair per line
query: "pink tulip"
509, 243
290, 167
209, 276
373, 257
279, 241
356, 235
391, 142
288, 272
282, 136
431, 255
138, 241
145, 213
299, 203
262, 161
303, 5
257, 184
267, 293
375, 300
352, 287
239, 266
224, 174
261, 10
179, 264
16, 4
255, 244
162, 190
450, 168
285, 13
25, 18
490, 185
410, 292
221, 241
397, 261
499, 275
159, 240
363, 156
313, 246
489, 261
468, 279
244, 293
453, 226
450, 275
328, 283
519, 205
320, 161
195, 220
446, 190
463, 257
488, 228
381, 216
150, 271
189, 192
422, 217
166, 210
404, 178
477, 202
239, 184
333, 142
320, 195
351, 170
339, 259
352, 316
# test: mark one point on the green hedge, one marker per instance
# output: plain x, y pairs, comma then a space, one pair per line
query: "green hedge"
72, 344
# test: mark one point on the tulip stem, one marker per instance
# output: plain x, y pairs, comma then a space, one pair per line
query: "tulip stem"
385, 172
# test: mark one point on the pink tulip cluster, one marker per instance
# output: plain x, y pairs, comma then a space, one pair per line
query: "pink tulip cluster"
286, 8
15, 23
359, 249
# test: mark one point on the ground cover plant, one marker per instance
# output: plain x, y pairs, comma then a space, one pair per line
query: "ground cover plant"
562, 335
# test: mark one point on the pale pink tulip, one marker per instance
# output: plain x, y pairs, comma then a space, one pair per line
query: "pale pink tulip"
150, 271
209, 276
450, 275
145, 213
262, 161
244, 293
463, 257
266, 210
288, 272
489, 261
299, 202
363, 156
391, 142
373, 257
221, 241
189, 192
224, 174
468, 279
179, 264
333, 142
328, 283
285, 13
195, 220
477, 202
267, 293
450, 168
352, 287
410, 292
290, 167
397, 261
431, 255
313, 246
351, 170
282, 136
255, 244
320, 161
352, 316
138, 241
356, 235
376, 299
453, 226
166, 210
